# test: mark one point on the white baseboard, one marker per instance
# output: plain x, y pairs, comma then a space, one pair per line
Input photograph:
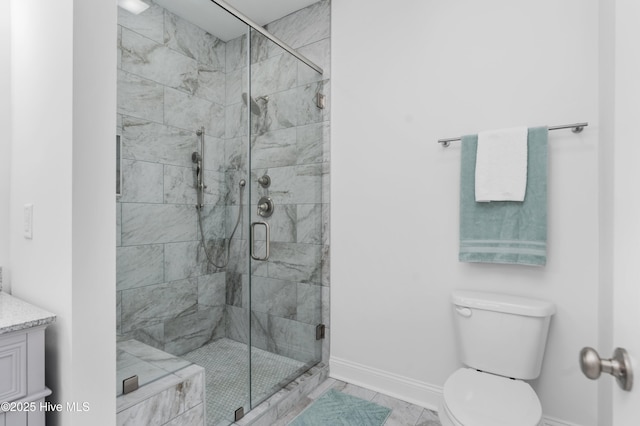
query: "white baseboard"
400, 387
404, 388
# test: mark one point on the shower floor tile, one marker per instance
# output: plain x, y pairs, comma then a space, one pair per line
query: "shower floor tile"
225, 362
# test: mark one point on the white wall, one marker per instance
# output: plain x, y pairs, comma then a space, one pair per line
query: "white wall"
5, 137
403, 78
63, 116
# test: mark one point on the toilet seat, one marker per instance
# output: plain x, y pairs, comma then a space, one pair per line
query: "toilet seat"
473, 398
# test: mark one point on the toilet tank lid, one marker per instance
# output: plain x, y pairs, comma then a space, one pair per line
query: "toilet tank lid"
503, 303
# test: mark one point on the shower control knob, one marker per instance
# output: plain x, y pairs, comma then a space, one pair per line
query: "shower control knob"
264, 181
618, 366
265, 207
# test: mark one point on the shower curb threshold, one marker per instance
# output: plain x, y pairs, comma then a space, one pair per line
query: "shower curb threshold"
282, 401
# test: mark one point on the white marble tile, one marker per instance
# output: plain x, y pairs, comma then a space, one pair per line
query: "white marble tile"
236, 53
194, 42
274, 297
157, 223
210, 84
308, 111
403, 413
180, 185
141, 182
148, 141
236, 154
212, 290
311, 142
359, 392
190, 113
304, 26
192, 417
237, 324
154, 61
157, 303
320, 54
188, 332
214, 218
274, 149
118, 224
309, 223
152, 335
184, 260
140, 97
119, 52
118, 312
278, 113
236, 83
149, 23
214, 156
273, 75
235, 119
295, 184
138, 266
309, 308
428, 418
296, 262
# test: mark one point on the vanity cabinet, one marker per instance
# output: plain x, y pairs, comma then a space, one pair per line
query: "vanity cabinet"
22, 387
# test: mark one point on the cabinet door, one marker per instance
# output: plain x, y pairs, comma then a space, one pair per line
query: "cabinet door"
13, 367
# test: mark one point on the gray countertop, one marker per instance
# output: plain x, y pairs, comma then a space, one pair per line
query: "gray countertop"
16, 314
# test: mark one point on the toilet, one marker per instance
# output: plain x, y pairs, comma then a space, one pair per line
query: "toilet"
501, 341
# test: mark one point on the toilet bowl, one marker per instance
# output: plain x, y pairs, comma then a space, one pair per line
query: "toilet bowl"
474, 398
491, 389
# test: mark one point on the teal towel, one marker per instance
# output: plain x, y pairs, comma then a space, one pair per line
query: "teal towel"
505, 231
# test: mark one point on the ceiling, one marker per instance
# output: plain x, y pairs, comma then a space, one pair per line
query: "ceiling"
215, 20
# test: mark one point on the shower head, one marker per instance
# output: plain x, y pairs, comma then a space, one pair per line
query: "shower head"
254, 106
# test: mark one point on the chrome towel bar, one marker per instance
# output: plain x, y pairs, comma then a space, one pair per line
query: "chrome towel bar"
575, 128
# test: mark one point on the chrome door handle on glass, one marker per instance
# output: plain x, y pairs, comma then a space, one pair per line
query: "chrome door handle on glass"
253, 240
618, 366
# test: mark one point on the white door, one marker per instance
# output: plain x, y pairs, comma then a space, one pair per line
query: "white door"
626, 212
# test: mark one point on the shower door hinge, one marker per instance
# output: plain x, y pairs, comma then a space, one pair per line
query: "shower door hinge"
320, 100
129, 385
238, 414
320, 328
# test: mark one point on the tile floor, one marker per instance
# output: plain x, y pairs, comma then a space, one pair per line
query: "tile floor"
225, 362
402, 414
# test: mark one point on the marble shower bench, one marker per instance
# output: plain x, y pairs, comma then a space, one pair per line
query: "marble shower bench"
171, 392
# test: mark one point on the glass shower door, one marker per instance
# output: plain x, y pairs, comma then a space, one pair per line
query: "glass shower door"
287, 213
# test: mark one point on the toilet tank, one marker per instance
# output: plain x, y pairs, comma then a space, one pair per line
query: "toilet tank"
501, 334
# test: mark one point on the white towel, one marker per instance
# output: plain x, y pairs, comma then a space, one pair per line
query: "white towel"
501, 165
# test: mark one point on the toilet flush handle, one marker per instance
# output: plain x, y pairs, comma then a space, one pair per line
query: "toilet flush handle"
462, 311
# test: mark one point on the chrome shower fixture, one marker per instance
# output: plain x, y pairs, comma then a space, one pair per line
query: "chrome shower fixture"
254, 105
198, 159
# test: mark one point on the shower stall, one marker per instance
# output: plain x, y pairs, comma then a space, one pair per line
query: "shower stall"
222, 221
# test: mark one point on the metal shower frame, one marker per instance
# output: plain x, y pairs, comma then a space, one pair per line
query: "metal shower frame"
235, 12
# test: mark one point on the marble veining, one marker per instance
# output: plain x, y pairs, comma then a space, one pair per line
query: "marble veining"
174, 78
16, 314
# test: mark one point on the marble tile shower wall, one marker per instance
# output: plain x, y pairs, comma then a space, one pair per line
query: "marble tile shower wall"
171, 81
290, 143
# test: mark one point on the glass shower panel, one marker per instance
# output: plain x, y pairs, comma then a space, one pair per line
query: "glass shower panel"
181, 267
287, 215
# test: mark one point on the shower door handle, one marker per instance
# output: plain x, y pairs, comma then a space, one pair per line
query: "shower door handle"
253, 240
